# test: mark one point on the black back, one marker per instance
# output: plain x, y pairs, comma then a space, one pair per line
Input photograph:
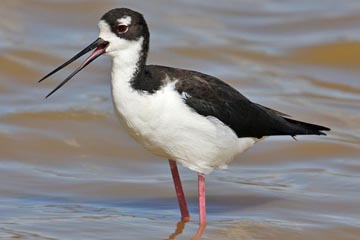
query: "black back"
210, 96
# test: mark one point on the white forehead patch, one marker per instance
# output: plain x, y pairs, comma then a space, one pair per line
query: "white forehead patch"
103, 26
125, 20
105, 31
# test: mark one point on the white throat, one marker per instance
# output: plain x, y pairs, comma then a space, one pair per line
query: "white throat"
125, 62
124, 68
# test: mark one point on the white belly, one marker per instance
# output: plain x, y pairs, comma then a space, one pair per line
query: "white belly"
166, 126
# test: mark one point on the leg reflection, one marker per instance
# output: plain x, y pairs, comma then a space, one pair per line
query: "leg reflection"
180, 226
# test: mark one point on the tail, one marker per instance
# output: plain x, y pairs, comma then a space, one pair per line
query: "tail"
303, 128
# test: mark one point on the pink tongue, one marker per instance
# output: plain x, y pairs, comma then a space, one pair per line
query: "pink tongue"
98, 51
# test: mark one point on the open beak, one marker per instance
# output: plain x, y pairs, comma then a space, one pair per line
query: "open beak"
99, 45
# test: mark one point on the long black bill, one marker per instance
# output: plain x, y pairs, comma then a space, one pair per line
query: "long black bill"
100, 46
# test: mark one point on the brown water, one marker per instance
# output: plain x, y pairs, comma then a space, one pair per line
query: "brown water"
68, 171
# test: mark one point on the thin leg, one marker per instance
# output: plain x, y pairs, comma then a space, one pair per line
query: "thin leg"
179, 191
199, 232
202, 198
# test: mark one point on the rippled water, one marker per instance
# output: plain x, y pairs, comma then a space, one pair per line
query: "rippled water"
68, 171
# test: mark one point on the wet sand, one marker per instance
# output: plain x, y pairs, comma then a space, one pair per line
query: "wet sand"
69, 171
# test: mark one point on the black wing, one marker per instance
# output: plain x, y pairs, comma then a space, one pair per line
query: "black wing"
210, 96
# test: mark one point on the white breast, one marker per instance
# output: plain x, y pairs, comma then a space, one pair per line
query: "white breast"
166, 126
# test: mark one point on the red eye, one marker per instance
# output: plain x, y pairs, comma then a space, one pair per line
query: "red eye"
121, 28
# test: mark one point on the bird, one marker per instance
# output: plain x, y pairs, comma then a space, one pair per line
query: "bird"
184, 116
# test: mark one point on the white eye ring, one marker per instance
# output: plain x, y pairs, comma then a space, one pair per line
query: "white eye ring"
122, 28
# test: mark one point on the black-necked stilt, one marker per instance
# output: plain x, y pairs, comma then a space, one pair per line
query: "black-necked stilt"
185, 116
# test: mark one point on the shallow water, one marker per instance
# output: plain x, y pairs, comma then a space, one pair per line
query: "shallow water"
68, 171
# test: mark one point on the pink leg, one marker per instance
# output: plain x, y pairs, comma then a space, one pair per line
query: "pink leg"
179, 191
202, 198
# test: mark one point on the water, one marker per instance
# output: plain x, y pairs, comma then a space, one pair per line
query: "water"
68, 171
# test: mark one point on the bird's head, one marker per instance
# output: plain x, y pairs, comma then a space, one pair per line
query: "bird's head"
121, 29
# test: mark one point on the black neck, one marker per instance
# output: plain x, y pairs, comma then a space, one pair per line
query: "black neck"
142, 79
